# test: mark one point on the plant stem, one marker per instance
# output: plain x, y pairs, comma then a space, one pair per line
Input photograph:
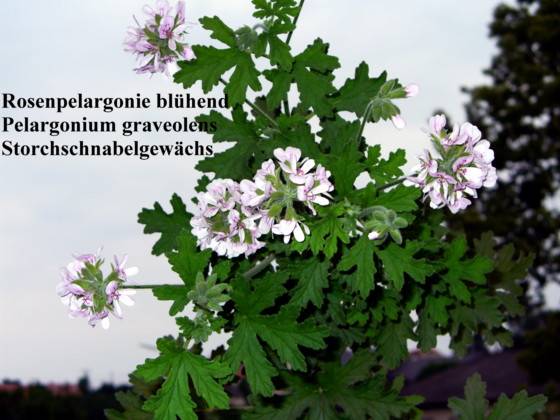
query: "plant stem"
259, 267
391, 184
262, 112
248, 274
150, 286
365, 119
256, 108
296, 18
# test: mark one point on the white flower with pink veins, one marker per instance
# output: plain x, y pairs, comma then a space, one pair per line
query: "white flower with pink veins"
289, 162
223, 223
466, 165
287, 228
315, 191
254, 193
90, 295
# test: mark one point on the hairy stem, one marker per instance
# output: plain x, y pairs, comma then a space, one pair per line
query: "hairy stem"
150, 286
391, 184
248, 274
296, 18
365, 119
262, 112
256, 108
259, 267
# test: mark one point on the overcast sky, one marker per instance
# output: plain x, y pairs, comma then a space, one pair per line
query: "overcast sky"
51, 208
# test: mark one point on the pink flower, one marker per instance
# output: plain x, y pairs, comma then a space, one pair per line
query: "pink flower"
220, 195
87, 294
373, 235
265, 223
438, 189
398, 122
428, 168
411, 90
225, 222
466, 134
288, 159
289, 162
254, 193
312, 192
124, 273
457, 202
482, 153
163, 23
287, 228
188, 53
437, 124
490, 177
231, 217
461, 176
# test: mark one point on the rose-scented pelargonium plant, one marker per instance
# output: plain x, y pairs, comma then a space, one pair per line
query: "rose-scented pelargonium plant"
319, 280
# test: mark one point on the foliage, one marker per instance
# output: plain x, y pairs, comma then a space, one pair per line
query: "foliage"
475, 406
339, 292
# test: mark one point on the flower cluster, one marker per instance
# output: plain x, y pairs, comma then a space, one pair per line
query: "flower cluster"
89, 295
464, 165
231, 216
160, 41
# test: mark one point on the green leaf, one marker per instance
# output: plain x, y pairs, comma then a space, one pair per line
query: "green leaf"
312, 279
281, 82
245, 349
398, 260
436, 308
169, 225
361, 257
484, 317
356, 93
328, 230
313, 75
281, 332
341, 153
382, 107
219, 29
426, 332
132, 405
210, 65
473, 269
188, 260
383, 171
399, 199
234, 163
245, 75
178, 366
475, 405
280, 52
520, 407
176, 294
392, 345
351, 391
281, 12
508, 272
314, 88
